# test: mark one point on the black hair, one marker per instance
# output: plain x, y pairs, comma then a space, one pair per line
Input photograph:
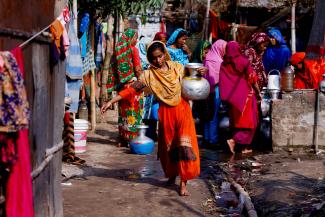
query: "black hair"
181, 34
154, 46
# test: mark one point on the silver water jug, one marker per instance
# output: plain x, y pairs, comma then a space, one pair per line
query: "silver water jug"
195, 87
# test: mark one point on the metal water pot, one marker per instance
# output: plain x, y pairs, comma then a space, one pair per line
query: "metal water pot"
274, 77
83, 111
142, 144
287, 79
194, 87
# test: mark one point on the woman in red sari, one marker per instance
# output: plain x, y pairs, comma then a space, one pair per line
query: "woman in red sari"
239, 88
177, 143
303, 79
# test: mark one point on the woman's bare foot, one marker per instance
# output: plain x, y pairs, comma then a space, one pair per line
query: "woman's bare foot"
182, 189
171, 181
231, 143
246, 151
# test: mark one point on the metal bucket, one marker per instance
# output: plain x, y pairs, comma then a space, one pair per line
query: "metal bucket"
274, 80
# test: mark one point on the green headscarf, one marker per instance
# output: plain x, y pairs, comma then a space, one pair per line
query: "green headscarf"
198, 52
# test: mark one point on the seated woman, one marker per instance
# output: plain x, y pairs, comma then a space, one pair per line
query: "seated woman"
177, 143
303, 79
177, 48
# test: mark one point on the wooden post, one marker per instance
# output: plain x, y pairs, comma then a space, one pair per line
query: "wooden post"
293, 26
107, 60
92, 100
75, 13
92, 85
207, 17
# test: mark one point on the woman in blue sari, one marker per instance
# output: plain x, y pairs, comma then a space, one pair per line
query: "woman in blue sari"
277, 55
178, 50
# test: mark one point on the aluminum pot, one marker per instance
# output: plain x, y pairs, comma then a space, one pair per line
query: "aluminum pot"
195, 87
275, 94
265, 107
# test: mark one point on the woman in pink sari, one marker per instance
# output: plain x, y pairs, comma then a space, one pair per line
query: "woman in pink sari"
238, 87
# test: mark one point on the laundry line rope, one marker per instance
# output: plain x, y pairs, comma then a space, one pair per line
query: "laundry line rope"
34, 36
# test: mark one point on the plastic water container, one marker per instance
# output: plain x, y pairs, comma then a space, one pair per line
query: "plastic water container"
80, 135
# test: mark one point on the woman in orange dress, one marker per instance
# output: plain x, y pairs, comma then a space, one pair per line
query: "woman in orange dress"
177, 144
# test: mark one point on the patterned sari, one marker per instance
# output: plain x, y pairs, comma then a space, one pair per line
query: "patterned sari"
122, 72
256, 59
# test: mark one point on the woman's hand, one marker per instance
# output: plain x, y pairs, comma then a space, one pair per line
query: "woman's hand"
203, 70
187, 49
107, 105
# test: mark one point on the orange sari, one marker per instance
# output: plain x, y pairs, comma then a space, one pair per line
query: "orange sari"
178, 148
177, 143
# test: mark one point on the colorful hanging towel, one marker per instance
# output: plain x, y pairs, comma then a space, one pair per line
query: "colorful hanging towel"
57, 29
74, 62
14, 108
88, 62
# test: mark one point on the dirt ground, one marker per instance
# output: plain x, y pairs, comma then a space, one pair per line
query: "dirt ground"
116, 184
281, 184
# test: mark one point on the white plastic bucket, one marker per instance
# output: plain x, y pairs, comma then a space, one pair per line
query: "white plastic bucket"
80, 135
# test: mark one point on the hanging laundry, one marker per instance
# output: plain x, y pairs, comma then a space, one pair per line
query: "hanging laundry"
99, 45
194, 22
83, 44
84, 23
74, 61
213, 24
88, 62
19, 194
14, 108
8, 153
72, 90
15, 155
57, 30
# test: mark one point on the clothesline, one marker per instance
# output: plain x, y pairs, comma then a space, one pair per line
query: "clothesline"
37, 34
34, 36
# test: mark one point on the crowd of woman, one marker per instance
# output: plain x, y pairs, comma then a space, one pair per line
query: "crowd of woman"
152, 78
